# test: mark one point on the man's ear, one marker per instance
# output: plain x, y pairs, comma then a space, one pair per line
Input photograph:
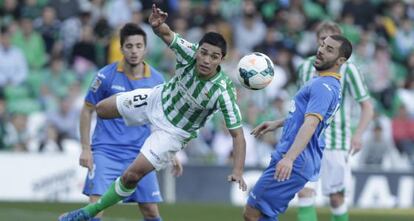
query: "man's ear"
341, 61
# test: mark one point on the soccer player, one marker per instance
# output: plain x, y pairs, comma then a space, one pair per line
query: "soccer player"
114, 145
298, 154
176, 111
335, 171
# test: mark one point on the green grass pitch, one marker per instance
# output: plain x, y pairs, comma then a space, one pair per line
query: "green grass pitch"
33, 211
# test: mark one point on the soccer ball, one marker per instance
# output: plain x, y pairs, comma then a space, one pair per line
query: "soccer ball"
256, 71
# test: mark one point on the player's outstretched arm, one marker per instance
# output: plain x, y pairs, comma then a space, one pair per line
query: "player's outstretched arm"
239, 152
266, 127
285, 165
157, 21
85, 158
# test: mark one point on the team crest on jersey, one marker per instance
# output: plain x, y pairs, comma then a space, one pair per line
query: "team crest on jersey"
292, 106
96, 84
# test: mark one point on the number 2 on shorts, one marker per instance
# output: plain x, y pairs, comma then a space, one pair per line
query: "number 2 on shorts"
140, 100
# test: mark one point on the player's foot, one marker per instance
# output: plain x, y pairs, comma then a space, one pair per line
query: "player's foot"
76, 215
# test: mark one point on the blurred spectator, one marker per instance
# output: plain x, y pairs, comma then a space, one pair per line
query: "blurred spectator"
102, 33
65, 120
48, 26
119, 12
249, 30
403, 133
404, 38
65, 9
83, 57
30, 9
361, 11
3, 120
13, 66
31, 43
17, 135
9, 11
50, 141
71, 29
372, 155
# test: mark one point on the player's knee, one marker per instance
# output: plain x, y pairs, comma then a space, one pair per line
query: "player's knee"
249, 215
149, 210
336, 200
306, 193
130, 178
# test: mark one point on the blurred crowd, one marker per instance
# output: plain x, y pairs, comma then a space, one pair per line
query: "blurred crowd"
51, 49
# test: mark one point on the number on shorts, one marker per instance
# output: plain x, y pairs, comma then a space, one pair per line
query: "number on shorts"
140, 100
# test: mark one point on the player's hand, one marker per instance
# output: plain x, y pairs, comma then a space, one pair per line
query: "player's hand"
283, 169
86, 158
356, 144
237, 179
157, 17
265, 127
177, 167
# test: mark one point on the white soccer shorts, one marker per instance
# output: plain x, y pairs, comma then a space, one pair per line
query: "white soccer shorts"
143, 106
335, 171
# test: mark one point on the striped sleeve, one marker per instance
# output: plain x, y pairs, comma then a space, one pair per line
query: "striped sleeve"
230, 108
184, 50
357, 86
305, 71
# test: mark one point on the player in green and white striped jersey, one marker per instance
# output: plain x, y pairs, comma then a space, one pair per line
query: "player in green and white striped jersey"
340, 142
176, 110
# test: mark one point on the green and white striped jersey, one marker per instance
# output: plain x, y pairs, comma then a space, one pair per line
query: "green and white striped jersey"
338, 134
188, 101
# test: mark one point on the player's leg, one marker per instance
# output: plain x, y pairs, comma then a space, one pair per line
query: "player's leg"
150, 211
272, 197
107, 108
307, 210
335, 173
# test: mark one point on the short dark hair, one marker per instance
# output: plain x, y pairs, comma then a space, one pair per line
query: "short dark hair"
215, 39
130, 29
345, 50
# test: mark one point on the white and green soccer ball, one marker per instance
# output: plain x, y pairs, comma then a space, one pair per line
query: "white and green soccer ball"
255, 71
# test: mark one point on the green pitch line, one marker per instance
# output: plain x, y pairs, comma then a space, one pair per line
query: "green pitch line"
19, 211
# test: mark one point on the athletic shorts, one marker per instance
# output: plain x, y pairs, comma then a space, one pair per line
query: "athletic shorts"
272, 197
108, 167
142, 106
335, 171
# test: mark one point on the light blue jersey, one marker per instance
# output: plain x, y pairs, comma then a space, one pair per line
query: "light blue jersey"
319, 97
115, 145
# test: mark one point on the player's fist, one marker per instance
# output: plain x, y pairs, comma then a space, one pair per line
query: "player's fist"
157, 17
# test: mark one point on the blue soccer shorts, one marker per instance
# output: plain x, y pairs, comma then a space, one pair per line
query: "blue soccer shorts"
108, 167
272, 197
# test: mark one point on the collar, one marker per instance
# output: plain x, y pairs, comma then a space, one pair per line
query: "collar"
330, 74
120, 69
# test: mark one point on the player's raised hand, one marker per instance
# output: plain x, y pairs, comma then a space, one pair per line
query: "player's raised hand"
237, 179
177, 167
86, 159
157, 17
283, 169
265, 127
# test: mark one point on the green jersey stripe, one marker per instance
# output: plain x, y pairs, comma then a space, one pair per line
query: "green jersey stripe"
351, 77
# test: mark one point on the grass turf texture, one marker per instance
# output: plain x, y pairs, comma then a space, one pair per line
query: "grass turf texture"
19, 211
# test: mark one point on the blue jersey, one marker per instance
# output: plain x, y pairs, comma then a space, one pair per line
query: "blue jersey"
113, 135
319, 97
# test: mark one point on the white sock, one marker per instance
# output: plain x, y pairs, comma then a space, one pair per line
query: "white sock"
306, 201
342, 209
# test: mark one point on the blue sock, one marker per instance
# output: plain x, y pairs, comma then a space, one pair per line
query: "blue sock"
155, 219
96, 219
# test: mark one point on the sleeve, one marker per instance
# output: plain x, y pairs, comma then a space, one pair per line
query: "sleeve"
230, 108
184, 50
98, 90
304, 72
357, 86
321, 96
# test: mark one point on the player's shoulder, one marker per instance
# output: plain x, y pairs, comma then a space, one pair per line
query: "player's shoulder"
107, 70
324, 83
223, 81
